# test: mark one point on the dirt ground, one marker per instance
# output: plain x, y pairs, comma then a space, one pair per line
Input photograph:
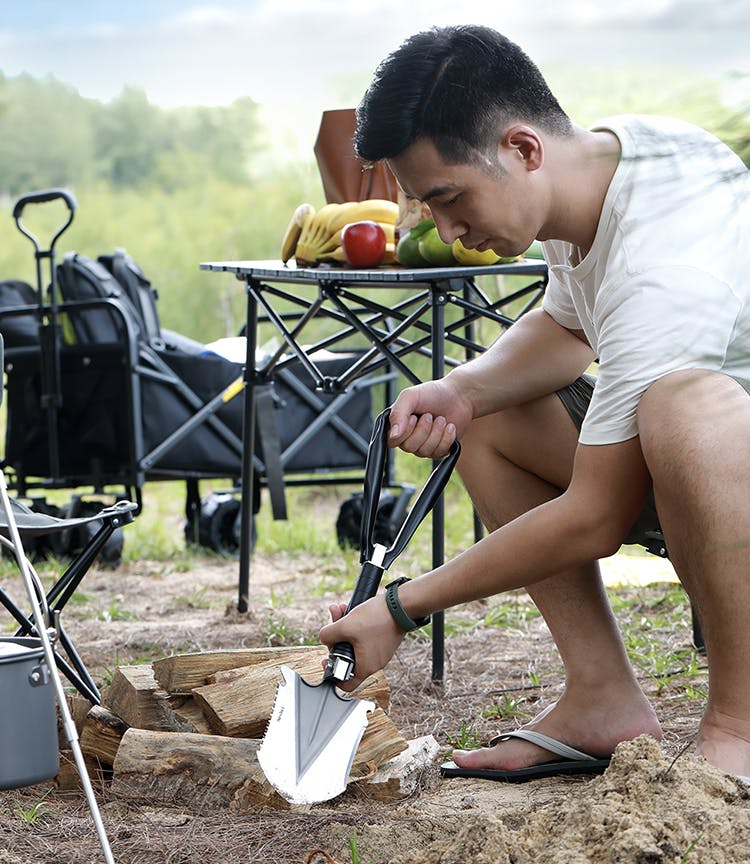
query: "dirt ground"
656, 803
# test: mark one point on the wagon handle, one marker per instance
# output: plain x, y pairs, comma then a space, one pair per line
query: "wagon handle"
42, 197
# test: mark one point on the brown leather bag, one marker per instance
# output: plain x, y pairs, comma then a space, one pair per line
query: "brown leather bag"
345, 177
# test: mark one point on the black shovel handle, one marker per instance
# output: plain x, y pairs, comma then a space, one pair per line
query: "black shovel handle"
373, 482
371, 573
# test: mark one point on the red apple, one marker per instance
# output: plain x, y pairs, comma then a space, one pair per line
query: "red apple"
363, 243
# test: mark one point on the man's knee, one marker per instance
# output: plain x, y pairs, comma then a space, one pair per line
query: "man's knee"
538, 437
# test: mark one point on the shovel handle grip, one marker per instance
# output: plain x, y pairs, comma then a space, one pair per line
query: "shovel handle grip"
367, 586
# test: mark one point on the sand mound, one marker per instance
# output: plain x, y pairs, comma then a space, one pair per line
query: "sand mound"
646, 809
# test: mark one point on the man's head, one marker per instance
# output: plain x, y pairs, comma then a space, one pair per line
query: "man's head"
458, 86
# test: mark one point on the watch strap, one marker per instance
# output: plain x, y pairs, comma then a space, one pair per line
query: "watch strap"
400, 616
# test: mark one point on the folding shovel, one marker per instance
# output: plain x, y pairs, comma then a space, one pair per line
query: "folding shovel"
313, 733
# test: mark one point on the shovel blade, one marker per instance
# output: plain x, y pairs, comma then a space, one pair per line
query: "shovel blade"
311, 739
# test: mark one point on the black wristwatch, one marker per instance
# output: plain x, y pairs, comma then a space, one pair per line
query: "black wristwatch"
404, 621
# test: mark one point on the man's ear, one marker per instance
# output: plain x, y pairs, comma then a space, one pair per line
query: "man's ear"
523, 142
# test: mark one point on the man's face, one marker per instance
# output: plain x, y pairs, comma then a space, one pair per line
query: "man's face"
490, 208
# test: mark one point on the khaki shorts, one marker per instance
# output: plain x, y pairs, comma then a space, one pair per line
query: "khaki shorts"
576, 398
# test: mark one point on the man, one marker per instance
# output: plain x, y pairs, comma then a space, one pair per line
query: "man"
645, 224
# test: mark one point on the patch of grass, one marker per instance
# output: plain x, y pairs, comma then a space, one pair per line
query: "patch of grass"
507, 707
80, 597
339, 574
355, 855
33, 815
455, 624
510, 612
196, 600
684, 856
115, 612
662, 665
467, 737
695, 693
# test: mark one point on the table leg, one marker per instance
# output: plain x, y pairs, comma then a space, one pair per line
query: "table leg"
248, 452
439, 299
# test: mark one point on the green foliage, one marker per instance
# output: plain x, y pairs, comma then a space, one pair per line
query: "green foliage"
52, 136
507, 707
467, 737
589, 95
179, 186
35, 814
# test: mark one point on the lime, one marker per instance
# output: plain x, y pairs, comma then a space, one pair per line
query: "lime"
407, 251
432, 249
422, 227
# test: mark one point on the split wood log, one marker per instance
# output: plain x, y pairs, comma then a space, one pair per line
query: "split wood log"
184, 715
189, 769
381, 741
403, 775
135, 696
68, 779
101, 735
239, 702
79, 707
182, 673
215, 772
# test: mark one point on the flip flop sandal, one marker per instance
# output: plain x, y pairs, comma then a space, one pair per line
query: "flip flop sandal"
572, 761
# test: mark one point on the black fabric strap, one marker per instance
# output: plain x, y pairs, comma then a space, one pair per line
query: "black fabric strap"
271, 448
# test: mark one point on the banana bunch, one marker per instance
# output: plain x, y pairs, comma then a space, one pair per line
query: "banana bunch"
314, 236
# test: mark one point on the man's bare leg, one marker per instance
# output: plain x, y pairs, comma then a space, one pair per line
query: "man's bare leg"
694, 434
511, 463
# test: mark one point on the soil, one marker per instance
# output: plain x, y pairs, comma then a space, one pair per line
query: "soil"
656, 802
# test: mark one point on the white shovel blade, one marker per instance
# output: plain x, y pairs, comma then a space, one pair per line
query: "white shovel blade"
326, 777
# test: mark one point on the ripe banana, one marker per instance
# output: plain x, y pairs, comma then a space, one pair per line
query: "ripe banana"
321, 233
294, 230
373, 209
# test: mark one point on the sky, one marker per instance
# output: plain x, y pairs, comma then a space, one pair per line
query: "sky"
299, 57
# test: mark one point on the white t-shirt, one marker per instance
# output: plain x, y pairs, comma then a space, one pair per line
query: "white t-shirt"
666, 284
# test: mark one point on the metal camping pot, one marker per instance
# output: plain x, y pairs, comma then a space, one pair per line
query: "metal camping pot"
29, 749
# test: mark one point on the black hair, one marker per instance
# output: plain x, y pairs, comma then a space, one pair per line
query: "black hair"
456, 86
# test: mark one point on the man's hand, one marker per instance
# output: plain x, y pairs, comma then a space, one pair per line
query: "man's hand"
371, 631
426, 419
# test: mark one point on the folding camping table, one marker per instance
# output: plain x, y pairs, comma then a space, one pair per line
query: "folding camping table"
406, 319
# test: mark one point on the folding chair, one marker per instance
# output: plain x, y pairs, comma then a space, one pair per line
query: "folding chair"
39, 624
30, 525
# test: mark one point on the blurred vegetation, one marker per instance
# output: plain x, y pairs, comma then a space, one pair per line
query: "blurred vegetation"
180, 186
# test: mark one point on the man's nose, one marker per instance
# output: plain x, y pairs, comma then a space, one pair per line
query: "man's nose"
449, 229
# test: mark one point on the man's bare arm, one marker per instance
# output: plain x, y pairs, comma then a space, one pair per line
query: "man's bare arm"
588, 521
535, 357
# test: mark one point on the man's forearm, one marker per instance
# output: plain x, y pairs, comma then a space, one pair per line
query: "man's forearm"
588, 521
533, 547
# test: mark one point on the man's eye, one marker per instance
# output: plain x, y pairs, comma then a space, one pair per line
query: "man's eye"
449, 201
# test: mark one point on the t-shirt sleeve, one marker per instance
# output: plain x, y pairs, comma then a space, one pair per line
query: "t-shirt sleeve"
660, 321
558, 304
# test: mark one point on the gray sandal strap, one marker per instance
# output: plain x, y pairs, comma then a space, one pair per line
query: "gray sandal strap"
551, 744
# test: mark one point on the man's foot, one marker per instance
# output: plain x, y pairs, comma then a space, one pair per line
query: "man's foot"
595, 729
724, 742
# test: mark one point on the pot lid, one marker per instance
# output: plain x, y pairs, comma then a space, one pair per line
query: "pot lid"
10, 649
